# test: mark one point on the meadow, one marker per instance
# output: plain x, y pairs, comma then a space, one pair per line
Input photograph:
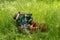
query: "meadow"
44, 11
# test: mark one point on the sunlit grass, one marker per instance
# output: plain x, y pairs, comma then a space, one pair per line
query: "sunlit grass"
42, 12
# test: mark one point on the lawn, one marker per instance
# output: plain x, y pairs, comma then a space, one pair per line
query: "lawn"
44, 11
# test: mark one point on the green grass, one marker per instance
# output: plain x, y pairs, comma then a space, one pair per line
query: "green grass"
43, 12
